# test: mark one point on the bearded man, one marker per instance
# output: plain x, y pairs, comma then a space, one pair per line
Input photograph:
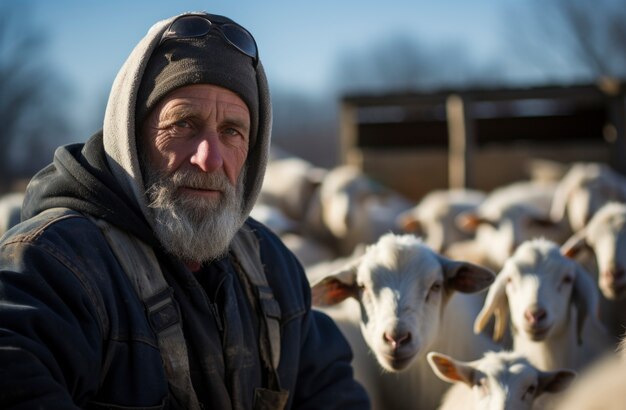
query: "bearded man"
136, 278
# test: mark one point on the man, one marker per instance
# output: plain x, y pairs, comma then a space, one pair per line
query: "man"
162, 196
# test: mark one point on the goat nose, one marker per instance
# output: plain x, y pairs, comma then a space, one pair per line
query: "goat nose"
396, 340
535, 315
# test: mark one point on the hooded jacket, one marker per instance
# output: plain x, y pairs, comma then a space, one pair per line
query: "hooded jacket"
74, 333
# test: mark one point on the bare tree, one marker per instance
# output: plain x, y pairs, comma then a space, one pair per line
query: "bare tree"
570, 39
402, 63
30, 97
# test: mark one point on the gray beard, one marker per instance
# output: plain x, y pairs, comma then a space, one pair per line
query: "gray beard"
191, 229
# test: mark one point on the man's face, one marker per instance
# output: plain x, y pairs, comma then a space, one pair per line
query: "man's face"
193, 149
202, 127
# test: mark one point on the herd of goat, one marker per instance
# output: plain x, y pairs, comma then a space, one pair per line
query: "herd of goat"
466, 299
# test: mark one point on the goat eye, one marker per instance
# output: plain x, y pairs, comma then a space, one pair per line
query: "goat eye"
488, 222
541, 222
529, 393
435, 288
483, 386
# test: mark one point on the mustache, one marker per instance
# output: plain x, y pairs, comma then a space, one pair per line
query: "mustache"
158, 181
196, 180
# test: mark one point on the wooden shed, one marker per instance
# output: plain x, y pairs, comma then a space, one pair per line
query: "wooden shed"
481, 138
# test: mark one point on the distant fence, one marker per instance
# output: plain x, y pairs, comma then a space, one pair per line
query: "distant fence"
481, 138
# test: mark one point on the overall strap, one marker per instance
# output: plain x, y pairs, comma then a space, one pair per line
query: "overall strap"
142, 268
246, 249
245, 246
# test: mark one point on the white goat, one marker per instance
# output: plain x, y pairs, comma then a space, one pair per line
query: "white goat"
509, 216
552, 303
434, 218
350, 208
401, 294
583, 190
274, 218
10, 210
497, 381
308, 251
601, 386
601, 248
605, 235
289, 185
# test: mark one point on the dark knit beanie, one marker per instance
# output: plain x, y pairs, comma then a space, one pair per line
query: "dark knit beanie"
201, 60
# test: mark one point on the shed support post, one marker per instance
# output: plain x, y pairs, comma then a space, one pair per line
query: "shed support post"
460, 142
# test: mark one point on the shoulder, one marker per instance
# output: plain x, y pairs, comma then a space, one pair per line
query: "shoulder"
61, 233
64, 250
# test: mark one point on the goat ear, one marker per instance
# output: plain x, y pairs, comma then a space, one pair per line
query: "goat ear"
574, 244
561, 197
466, 277
337, 287
467, 221
409, 223
449, 369
543, 222
496, 304
555, 381
585, 298
316, 176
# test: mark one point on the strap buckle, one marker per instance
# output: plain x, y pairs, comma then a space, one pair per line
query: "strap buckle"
162, 310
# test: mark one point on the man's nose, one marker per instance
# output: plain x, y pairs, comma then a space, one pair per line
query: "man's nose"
207, 156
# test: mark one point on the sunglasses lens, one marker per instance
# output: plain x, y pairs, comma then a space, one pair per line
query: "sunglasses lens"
198, 26
240, 38
189, 26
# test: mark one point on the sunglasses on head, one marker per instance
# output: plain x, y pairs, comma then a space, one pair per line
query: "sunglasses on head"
194, 25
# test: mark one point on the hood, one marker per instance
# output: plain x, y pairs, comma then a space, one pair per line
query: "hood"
120, 134
79, 179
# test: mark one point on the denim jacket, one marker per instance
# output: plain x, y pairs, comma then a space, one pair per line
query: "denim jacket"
73, 333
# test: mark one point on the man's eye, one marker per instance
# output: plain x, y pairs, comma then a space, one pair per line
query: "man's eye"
182, 124
231, 131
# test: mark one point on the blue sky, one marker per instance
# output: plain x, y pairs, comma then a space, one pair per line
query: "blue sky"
299, 41
449, 43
